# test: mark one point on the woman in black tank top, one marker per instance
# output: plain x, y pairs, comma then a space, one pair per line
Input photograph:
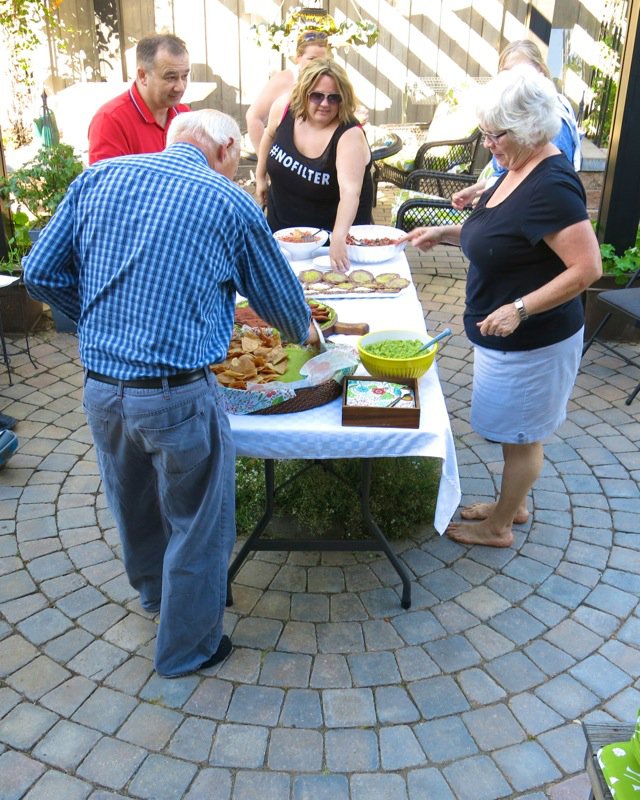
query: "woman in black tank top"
317, 159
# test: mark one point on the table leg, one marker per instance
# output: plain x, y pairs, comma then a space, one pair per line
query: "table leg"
378, 543
5, 354
270, 491
372, 525
25, 329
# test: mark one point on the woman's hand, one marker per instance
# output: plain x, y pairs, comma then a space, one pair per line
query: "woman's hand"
352, 157
262, 187
466, 197
501, 322
424, 238
338, 254
262, 178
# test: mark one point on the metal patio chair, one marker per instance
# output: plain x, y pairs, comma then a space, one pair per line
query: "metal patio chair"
462, 153
622, 301
436, 208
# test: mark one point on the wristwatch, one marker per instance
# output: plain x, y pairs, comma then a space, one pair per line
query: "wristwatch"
522, 311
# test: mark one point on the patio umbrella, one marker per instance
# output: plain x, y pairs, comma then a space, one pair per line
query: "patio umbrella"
45, 125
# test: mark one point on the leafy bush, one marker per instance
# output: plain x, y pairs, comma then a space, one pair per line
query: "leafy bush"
322, 500
40, 184
621, 266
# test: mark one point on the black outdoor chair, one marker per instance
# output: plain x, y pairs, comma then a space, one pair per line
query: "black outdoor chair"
462, 153
623, 301
437, 209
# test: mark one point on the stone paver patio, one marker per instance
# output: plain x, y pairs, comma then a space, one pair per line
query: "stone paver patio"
475, 692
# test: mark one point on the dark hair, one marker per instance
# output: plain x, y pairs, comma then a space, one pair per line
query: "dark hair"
148, 46
308, 78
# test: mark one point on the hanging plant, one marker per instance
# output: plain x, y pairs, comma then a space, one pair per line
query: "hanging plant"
282, 37
21, 22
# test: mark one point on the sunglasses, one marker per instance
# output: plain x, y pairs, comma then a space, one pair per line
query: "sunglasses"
319, 97
494, 138
311, 36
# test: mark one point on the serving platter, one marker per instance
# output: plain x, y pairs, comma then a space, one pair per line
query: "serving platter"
336, 295
325, 315
357, 282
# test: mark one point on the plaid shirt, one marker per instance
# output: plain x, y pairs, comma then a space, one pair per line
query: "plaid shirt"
147, 253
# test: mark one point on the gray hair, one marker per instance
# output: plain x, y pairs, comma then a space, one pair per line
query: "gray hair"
206, 127
522, 101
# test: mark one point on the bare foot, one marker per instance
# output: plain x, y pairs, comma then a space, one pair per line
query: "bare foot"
484, 511
479, 533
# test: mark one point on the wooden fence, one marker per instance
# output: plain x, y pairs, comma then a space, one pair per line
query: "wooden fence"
423, 45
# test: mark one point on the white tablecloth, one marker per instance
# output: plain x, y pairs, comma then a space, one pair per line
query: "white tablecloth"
318, 433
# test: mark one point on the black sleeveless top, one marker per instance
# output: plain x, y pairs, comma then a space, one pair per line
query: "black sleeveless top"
305, 191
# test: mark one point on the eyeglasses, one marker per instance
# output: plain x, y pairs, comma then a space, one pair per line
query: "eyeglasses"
319, 97
312, 36
494, 138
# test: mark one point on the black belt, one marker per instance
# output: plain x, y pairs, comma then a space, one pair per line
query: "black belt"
180, 379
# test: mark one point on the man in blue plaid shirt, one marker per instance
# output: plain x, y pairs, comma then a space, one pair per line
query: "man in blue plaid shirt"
146, 253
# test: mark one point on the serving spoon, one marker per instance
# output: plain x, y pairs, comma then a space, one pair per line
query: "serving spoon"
428, 345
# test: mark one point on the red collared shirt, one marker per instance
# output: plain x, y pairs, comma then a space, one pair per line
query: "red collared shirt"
125, 125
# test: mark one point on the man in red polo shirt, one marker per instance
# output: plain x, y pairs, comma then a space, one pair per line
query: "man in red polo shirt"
137, 120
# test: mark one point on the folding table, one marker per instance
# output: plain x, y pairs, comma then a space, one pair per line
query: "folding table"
318, 434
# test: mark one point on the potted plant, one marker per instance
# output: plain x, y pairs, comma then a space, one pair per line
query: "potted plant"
40, 184
616, 272
20, 312
35, 190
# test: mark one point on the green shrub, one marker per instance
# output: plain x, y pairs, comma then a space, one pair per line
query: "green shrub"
621, 266
403, 495
40, 184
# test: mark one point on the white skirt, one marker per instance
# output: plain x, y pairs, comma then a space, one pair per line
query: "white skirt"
521, 397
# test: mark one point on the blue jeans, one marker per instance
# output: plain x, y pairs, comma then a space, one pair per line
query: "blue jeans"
167, 461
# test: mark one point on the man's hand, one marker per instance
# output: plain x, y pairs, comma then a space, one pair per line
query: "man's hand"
313, 338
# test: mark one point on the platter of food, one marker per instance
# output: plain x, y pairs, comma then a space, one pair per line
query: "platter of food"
355, 283
261, 374
323, 314
258, 356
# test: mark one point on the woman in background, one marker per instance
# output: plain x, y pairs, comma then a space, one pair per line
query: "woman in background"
317, 159
524, 51
532, 252
311, 44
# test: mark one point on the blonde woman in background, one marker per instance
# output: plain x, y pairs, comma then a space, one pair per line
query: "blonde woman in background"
567, 140
314, 165
311, 44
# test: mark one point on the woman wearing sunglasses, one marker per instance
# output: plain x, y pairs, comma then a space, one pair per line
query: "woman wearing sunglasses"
317, 159
532, 252
310, 45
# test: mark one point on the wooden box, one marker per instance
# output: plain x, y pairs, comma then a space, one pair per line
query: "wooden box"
381, 416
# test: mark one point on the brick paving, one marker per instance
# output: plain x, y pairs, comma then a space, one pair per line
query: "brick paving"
333, 691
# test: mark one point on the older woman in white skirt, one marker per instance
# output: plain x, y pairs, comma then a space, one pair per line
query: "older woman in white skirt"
532, 252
